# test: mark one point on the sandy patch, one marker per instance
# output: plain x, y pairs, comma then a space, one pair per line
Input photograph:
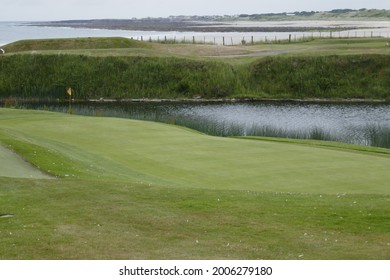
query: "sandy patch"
14, 166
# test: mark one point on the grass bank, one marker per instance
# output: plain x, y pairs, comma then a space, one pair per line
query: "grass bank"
46, 76
120, 68
173, 193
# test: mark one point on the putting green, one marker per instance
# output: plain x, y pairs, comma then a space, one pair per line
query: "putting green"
153, 153
14, 166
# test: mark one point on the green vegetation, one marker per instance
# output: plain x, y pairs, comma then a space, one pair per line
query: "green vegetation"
129, 189
324, 77
126, 189
147, 70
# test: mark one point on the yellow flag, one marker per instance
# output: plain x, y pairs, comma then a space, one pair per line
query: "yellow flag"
69, 91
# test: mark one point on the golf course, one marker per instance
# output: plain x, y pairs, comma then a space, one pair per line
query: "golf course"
91, 187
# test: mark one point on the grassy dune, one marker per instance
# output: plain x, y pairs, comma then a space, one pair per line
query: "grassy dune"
131, 189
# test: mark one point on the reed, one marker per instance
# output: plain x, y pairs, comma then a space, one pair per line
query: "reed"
378, 136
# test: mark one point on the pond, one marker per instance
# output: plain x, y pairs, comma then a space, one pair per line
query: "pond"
358, 123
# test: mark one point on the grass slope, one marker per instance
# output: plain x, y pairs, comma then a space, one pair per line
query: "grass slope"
140, 190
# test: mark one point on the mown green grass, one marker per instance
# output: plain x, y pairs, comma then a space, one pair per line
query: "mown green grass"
141, 190
71, 146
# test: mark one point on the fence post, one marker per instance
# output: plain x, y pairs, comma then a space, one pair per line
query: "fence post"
289, 38
193, 39
223, 40
252, 40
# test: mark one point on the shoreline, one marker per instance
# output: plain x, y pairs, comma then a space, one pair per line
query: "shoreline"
203, 100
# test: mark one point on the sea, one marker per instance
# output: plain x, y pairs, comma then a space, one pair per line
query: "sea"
15, 31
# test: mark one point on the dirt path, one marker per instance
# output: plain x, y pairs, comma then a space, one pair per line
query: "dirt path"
14, 166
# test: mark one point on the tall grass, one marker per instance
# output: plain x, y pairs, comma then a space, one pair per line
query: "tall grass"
47, 76
378, 136
355, 76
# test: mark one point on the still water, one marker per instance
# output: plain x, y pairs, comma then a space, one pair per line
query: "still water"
364, 124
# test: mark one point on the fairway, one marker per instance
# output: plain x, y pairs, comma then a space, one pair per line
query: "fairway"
154, 153
129, 189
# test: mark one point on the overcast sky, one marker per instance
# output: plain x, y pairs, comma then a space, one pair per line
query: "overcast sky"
11, 10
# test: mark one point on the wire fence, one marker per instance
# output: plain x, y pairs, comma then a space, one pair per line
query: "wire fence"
234, 39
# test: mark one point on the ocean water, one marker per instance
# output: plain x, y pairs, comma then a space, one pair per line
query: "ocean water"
14, 31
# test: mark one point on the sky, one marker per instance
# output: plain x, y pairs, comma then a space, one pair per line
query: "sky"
42, 10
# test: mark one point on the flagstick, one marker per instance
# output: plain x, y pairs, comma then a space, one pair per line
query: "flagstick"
69, 91
70, 104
